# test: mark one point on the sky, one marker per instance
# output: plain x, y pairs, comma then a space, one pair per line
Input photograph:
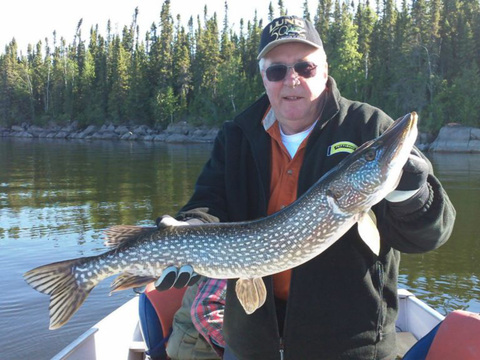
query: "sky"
29, 21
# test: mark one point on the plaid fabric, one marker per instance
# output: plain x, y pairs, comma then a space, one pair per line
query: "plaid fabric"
207, 311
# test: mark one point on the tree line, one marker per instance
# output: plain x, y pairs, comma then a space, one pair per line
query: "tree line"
420, 55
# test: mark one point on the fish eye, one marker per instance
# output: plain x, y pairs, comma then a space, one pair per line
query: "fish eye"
370, 155
336, 194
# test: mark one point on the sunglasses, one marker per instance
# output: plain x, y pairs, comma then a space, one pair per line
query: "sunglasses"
278, 72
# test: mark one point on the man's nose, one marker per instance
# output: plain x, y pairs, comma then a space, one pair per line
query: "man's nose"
292, 77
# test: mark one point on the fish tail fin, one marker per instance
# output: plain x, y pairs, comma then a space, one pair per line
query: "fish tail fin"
66, 294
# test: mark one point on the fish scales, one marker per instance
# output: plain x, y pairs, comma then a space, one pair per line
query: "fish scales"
246, 251
219, 251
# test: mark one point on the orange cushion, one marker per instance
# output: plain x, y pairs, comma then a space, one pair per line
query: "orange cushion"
458, 337
166, 304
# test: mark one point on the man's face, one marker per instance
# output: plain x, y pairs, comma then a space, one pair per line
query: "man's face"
295, 99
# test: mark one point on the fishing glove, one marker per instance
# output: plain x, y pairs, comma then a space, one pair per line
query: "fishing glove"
413, 195
173, 276
413, 180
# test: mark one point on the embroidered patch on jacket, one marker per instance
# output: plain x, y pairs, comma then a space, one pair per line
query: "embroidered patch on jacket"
341, 146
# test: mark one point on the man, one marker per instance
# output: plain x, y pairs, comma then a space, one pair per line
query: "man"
343, 303
202, 308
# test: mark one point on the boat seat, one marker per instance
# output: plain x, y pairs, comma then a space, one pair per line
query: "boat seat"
137, 347
456, 337
405, 340
156, 310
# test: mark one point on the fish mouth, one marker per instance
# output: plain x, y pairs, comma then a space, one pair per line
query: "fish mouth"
399, 138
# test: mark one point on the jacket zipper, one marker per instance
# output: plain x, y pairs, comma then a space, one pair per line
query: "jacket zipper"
380, 293
281, 348
282, 336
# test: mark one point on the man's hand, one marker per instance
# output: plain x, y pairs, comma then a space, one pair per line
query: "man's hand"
172, 276
414, 178
167, 220
177, 278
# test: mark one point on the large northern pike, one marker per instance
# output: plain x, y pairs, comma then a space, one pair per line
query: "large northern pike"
245, 250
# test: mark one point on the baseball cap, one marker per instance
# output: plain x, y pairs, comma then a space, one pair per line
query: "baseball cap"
288, 29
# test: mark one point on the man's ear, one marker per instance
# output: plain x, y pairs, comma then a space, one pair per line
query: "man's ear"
325, 72
264, 78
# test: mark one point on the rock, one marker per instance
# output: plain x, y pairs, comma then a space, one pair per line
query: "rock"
177, 138
22, 134
4, 131
424, 140
457, 138
181, 132
160, 137
203, 135
212, 133
70, 128
122, 129
109, 135
61, 134
134, 137
141, 130
183, 128
90, 130
17, 128
103, 135
45, 133
52, 126
36, 131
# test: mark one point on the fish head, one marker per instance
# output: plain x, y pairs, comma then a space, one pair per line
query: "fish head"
369, 174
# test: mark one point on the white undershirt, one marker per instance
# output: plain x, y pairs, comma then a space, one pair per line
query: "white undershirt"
292, 142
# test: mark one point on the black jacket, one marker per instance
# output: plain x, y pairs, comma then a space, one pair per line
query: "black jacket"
342, 304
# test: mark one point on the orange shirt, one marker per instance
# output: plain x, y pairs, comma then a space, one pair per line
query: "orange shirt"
283, 191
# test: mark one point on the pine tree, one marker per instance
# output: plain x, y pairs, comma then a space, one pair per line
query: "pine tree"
322, 22
344, 58
281, 8
271, 12
15, 88
181, 68
118, 94
306, 11
365, 19
99, 83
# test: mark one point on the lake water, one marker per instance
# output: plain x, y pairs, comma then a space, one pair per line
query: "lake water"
56, 198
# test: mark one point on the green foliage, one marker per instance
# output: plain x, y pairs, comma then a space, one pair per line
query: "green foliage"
423, 56
344, 58
164, 107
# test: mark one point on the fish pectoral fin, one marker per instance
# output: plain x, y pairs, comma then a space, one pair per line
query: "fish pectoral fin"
367, 228
119, 234
251, 293
128, 281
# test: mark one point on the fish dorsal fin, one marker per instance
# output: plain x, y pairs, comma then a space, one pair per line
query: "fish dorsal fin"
127, 281
367, 228
119, 234
251, 293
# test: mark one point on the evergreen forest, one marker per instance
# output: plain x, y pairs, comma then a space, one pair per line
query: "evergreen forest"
415, 55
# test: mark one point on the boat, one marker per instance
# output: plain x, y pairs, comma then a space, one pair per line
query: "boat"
119, 336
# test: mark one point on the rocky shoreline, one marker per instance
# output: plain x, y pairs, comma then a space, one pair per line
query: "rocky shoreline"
175, 133
453, 138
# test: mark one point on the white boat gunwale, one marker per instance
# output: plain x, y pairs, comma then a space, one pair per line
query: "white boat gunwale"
105, 341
